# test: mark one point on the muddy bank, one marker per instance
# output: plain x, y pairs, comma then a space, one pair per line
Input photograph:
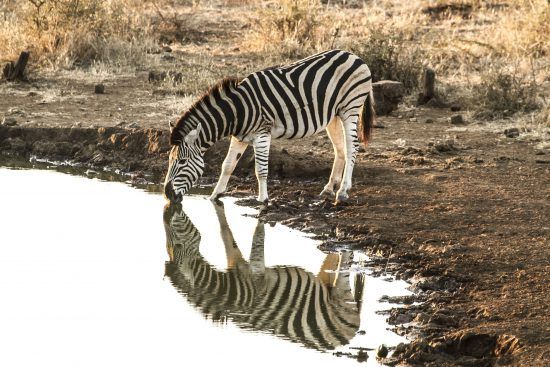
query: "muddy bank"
139, 151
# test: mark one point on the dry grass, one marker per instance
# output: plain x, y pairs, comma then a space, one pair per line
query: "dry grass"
67, 33
492, 56
291, 28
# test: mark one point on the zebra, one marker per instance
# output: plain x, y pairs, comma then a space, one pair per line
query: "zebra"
331, 90
317, 311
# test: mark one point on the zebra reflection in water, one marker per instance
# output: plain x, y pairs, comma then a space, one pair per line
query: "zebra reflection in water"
318, 311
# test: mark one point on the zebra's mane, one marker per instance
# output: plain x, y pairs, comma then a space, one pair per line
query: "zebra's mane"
221, 87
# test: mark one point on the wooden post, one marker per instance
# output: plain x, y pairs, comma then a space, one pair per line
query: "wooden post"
428, 93
16, 72
429, 84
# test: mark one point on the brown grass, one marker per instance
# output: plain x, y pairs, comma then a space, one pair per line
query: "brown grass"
492, 56
65, 33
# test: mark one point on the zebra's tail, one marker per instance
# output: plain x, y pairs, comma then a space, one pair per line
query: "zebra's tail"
366, 122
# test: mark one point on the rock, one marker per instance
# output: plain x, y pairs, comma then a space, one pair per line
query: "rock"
16, 145
382, 351
167, 57
512, 132
443, 146
133, 125
455, 107
429, 121
362, 356
413, 119
9, 121
99, 89
387, 94
156, 76
457, 120
166, 49
402, 319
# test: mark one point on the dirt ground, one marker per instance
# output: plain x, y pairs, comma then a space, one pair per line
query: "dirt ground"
461, 211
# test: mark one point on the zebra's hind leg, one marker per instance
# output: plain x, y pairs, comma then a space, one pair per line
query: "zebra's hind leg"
261, 144
349, 119
336, 135
236, 150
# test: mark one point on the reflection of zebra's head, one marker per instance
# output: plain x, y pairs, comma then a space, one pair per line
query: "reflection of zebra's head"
182, 237
317, 311
185, 166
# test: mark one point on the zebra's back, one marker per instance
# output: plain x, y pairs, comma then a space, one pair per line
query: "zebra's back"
300, 99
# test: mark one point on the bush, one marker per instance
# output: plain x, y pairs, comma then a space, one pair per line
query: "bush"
390, 59
72, 32
503, 93
290, 27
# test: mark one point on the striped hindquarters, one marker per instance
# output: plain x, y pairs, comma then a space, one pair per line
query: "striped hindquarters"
302, 98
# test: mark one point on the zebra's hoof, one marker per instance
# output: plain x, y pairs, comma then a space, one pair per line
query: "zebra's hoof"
263, 206
215, 197
341, 199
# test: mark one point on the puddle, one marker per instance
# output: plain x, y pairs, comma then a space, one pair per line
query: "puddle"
99, 273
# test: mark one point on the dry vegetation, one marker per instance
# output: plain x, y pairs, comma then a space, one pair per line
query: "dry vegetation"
491, 56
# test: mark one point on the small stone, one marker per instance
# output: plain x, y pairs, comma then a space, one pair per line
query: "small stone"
133, 125
413, 119
382, 351
315, 143
429, 121
284, 151
99, 89
166, 49
167, 57
361, 149
455, 107
362, 356
378, 125
512, 132
9, 121
457, 119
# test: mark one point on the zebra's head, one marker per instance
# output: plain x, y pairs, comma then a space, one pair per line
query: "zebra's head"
185, 166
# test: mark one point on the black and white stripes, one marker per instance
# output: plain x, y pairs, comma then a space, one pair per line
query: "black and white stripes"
332, 88
319, 312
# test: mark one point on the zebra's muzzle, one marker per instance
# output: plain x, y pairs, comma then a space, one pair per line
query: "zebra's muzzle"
171, 194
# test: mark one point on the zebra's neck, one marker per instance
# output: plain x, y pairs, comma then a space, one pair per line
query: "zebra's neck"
221, 113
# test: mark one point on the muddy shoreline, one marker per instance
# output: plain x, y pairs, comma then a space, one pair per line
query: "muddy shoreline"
438, 216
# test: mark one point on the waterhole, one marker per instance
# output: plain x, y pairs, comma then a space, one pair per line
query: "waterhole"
96, 273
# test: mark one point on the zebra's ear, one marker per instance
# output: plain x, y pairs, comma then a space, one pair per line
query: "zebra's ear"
193, 135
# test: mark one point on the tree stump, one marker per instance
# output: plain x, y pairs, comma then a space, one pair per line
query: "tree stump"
16, 71
429, 87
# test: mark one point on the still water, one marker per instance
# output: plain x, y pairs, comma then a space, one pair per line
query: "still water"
96, 273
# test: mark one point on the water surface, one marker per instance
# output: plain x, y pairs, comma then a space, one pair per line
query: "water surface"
96, 273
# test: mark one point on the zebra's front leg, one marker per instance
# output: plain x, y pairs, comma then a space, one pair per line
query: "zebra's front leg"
352, 145
236, 150
261, 146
